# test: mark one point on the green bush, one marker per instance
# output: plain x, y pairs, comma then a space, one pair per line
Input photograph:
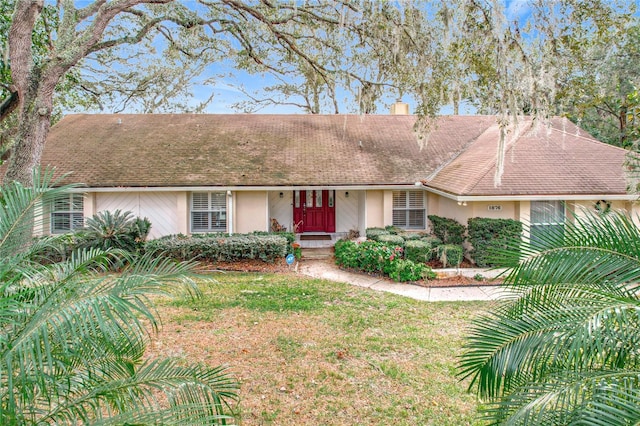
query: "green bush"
393, 230
373, 233
488, 235
346, 253
290, 236
391, 240
433, 241
418, 251
450, 231
119, 230
406, 270
410, 236
450, 255
221, 248
374, 257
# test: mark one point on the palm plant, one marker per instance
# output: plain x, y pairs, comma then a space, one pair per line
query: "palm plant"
73, 337
119, 229
564, 348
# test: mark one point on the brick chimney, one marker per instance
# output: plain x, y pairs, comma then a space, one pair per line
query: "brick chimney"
399, 108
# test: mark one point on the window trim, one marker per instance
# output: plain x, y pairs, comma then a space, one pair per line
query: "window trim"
408, 209
542, 225
75, 216
211, 210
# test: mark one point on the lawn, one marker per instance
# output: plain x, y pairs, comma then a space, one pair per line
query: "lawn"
314, 352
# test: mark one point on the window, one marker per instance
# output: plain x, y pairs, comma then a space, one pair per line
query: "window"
408, 209
547, 218
67, 213
208, 212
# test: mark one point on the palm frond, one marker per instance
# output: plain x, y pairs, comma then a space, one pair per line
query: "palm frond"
576, 326
163, 386
21, 209
563, 350
602, 398
591, 249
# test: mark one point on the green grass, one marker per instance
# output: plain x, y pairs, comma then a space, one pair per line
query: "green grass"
320, 353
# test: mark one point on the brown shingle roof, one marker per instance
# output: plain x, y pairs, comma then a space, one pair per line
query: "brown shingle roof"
559, 160
173, 150
256, 150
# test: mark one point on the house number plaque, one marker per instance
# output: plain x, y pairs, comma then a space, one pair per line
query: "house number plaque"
494, 208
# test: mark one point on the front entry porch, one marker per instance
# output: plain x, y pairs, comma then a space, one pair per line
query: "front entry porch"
318, 217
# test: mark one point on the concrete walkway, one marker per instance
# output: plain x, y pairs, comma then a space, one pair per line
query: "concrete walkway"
329, 271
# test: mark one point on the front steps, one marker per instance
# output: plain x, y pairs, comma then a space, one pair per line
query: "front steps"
317, 253
318, 240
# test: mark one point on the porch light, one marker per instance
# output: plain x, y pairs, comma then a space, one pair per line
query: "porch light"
346, 194
281, 195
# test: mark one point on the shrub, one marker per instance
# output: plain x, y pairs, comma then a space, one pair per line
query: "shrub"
372, 256
346, 253
418, 251
488, 235
410, 236
222, 248
393, 230
119, 230
290, 236
433, 241
373, 233
450, 255
406, 270
391, 240
450, 231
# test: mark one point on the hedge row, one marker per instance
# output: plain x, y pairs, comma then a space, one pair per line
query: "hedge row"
221, 247
489, 236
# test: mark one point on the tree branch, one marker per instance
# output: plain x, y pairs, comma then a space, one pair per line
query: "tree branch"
9, 105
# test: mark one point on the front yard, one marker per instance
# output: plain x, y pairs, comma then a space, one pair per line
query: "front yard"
313, 352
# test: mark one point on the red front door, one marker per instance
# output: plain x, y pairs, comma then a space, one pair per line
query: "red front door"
314, 211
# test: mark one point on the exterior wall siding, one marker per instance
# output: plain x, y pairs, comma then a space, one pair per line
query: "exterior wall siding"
281, 209
161, 208
250, 211
375, 209
347, 210
362, 213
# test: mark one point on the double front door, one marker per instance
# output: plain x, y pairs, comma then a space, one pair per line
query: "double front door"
314, 211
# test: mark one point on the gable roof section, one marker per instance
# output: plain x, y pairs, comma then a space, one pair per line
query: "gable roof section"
560, 160
174, 150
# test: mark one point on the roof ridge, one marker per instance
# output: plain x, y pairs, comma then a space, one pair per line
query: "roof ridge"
491, 163
588, 138
461, 151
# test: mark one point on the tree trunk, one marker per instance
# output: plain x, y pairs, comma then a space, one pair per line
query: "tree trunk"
33, 127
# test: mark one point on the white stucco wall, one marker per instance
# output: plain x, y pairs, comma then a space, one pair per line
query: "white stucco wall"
250, 211
374, 209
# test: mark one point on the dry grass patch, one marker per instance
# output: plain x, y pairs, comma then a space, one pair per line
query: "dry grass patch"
313, 352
